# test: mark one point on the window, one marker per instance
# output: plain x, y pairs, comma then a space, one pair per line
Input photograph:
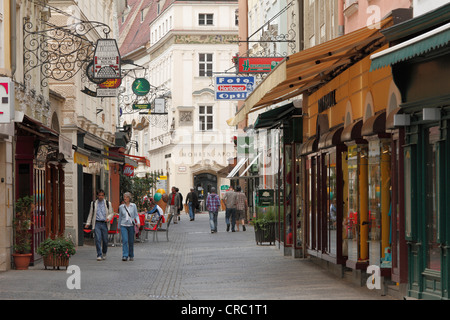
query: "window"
205, 118
205, 64
205, 19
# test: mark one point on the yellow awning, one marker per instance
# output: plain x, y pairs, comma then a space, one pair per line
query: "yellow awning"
79, 158
310, 68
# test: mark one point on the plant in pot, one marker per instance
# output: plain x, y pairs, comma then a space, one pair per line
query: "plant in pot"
56, 252
22, 235
265, 226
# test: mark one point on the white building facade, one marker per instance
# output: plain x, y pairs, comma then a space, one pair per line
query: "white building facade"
190, 43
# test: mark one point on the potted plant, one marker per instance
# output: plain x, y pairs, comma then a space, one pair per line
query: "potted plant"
22, 235
265, 227
56, 252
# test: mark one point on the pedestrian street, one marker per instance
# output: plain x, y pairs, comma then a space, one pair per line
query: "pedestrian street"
194, 265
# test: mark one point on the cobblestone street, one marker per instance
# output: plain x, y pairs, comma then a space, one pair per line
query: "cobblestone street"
193, 265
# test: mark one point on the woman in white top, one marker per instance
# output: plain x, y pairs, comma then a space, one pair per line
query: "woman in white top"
128, 217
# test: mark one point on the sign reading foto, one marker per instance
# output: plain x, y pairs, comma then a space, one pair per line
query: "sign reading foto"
258, 65
233, 87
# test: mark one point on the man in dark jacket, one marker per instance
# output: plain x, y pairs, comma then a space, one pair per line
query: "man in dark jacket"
192, 202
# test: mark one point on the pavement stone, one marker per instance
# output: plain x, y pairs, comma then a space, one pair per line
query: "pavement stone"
193, 265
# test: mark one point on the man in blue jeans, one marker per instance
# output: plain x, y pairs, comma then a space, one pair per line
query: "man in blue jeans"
213, 205
192, 202
100, 214
230, 199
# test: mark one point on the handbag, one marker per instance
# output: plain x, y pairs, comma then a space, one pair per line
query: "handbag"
136, 228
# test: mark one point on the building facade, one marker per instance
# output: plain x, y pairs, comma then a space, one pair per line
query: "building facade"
187, 45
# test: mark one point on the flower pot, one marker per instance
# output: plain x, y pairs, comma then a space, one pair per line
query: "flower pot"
22, 260
55, 262
267, 234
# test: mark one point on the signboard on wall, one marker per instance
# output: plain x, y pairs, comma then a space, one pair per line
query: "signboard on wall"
233, 87
6, 100
258, 64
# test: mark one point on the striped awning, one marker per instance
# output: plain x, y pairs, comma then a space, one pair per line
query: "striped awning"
432, 40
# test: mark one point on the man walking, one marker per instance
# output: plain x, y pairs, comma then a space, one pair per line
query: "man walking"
100, 214
192, 202
212, 205
174, 204
230, 200
241, 208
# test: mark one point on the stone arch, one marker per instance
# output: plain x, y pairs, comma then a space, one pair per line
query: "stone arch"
368, 106
394, 98
348, 120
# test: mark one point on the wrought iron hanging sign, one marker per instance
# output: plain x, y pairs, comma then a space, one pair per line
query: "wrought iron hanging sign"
106, 60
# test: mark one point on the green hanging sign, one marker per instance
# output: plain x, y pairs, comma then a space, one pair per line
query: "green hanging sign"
140, 87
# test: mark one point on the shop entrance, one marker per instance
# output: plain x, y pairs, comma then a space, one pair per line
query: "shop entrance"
203, 183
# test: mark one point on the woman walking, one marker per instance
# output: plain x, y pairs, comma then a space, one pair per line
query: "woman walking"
128, 217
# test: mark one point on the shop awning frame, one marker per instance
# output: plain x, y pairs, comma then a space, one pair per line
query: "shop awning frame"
272, 118
310, 68
237, 168
412, 48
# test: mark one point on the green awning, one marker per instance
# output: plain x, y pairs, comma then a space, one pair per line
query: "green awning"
272, 117
432, 40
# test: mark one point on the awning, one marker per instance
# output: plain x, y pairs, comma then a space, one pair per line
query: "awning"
414, 47
249, 166
237, 168
331, 138
374, 125
81, 159
310, 68
309, 146
272, 117
352, 132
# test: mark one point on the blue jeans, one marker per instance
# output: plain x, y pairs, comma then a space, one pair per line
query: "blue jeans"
191, 210
213, 220
230, 216
127, 241
101, 238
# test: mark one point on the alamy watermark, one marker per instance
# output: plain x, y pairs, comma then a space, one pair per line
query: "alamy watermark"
374, 281
74, 280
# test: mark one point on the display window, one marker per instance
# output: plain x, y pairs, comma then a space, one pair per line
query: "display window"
289, 195
331, 204
351, 220
298, 198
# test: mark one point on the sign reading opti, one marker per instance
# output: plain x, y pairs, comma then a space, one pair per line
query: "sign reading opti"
233, 87
107, 60
258, 65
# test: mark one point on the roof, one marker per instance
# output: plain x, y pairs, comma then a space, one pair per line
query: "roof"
135, 34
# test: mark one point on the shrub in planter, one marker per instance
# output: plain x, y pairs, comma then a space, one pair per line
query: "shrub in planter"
265, 227
22, 236
56, 252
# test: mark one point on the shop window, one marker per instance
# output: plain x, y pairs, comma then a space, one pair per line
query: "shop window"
351, 221
331, 213
298, 193
432, 209
288, 194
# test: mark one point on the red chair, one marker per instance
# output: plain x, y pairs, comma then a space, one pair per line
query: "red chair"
88, 232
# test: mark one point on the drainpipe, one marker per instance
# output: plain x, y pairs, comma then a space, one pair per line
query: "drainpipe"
12, 13
341, 27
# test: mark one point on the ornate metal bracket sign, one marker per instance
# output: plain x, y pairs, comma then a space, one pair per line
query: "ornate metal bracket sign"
59, 52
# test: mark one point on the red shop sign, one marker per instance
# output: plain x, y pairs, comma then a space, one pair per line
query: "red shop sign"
128, 170
258, 65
